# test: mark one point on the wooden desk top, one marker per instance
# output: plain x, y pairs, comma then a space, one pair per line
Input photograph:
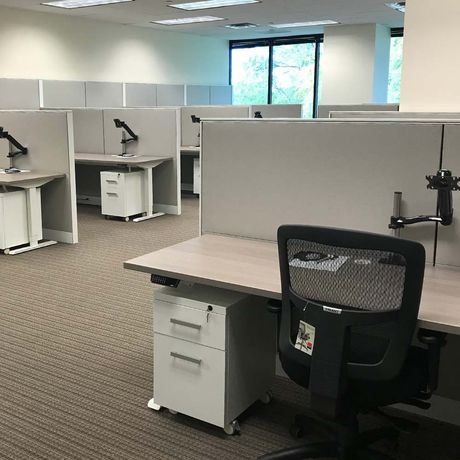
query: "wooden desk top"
29, 179
100, 158
252, 267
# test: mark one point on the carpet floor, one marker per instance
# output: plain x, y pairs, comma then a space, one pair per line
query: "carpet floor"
76, 359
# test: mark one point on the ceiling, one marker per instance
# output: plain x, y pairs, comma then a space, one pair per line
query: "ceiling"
141, 12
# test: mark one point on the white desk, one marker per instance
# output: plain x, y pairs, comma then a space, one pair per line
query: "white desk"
145, 162
251, 266
31, 183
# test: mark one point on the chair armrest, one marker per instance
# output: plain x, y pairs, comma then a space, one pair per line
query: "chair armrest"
434, 342
274, 306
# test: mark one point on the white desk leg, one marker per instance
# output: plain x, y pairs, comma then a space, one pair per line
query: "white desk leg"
151, 405
34, 222
148, 191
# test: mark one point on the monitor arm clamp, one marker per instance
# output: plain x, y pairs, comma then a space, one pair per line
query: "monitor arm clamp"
444, 183
126, 129
13, 143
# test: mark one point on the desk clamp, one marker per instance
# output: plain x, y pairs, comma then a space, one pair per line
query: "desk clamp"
444, 183
21, 150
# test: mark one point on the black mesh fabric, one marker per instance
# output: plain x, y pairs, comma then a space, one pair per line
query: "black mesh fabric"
356, 278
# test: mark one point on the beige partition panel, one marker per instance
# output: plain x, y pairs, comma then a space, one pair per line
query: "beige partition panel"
170, 95
104, 94
88, 130
49, 137
198, 95
58, 93
19, 94
324, 110
257, 175
158, 131
140, 95
190, 130
221, 95
396, 115
277, 110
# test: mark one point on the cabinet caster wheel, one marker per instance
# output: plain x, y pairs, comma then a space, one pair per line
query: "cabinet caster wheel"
106, 217
126, 219
173, 412
6, 251
232, 428
267, 398
296, 431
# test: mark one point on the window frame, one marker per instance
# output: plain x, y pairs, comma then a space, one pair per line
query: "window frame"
317, 39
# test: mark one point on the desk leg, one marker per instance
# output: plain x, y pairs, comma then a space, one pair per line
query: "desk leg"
151, 405
34, 222
148, 196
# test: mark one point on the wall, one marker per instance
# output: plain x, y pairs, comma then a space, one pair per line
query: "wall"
52, 46
431, 73
355, 64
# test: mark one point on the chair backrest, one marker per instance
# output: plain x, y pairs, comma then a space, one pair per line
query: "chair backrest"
338, 285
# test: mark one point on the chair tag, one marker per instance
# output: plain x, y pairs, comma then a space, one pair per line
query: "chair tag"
336, 311
305, 338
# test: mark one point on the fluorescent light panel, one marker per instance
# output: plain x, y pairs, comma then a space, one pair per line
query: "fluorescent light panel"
325, 22
206, 4
398, 6
72, 4
179, 21
241, 25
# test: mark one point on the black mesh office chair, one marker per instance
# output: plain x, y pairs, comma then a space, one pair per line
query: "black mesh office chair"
349, 309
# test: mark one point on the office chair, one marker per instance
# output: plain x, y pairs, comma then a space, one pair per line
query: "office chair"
348, 313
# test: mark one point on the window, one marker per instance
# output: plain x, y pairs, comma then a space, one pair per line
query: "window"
276, 71
396, 57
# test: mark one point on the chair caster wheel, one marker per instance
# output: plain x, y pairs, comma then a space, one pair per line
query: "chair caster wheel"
6, 251
296, 431
232, 428
173, 412
267, 398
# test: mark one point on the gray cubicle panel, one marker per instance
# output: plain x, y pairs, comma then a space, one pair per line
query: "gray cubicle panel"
197, 95
449, 237
396, 115
140, 95
277, 110
88, 130
19, 94
158, 131
59, 93
104, 94
324, 110
170, 95
257, 175
49, 137
221, 95
190, 130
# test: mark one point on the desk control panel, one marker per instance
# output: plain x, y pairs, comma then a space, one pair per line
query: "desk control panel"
165, 281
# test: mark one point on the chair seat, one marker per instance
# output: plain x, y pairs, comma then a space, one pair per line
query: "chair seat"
366, 394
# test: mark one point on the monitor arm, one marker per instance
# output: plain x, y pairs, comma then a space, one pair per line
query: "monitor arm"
13, 142
258, 114
445, 184
195, 119
123, 125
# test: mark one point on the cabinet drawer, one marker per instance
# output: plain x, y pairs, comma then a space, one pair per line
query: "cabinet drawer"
191, 324
113, 204
189, 378
109, 178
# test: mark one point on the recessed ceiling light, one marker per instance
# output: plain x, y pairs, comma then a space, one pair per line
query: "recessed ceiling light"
325, 22
398, 6
206, 4
179, 21
241, 25
71, 4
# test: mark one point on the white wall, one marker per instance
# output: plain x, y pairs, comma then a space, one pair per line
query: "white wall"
431, 70
58, 47
355, 64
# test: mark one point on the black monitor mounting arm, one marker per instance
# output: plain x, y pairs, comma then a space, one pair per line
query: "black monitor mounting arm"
13, 142
445, 184
195, 119
123, 125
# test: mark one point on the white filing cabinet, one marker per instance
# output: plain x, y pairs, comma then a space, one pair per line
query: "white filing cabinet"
214, 352
122, 193
13, 219
196, 176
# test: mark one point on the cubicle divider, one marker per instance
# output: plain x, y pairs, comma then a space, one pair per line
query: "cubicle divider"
48, 135
325, 109
59, 93
395, 115
257, 175
159, 135
277, 110
19, 94
208, 95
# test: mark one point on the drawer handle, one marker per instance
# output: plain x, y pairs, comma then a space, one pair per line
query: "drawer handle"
186, 358
112, 194
179, 322
111, 181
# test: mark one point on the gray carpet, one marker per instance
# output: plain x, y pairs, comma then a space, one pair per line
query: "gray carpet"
76, 359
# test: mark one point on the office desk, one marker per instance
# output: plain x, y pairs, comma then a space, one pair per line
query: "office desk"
31, 183
251, 267
147, 163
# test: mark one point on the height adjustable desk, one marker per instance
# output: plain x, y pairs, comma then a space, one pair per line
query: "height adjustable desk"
147, 163
31, 183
